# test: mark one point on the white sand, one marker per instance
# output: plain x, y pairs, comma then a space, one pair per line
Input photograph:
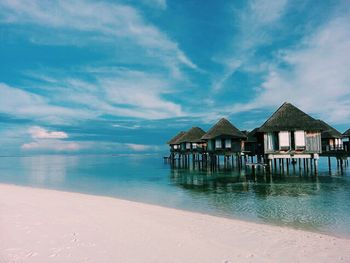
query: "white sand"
38, 225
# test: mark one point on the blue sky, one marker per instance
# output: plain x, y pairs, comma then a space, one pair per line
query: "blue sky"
82, 76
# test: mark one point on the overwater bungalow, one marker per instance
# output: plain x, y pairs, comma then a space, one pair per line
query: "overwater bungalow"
253, 145
290, 133
346, 140
173, 143
331, 139
191, 141
224, 139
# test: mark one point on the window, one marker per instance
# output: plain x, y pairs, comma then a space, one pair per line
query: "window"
188, 146
210, 145
228, 143
194, 145
283, 137
218, 144
270, 141
299, 139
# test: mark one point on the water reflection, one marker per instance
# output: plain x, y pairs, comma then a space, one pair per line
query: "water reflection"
308, 202
48, 170
235, 180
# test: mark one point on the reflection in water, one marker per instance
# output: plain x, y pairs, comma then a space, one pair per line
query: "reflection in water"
309, 202
42, 170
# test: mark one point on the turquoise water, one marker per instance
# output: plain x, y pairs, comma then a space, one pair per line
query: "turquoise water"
319, 203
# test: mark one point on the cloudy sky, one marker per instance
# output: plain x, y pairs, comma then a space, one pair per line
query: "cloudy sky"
82, 76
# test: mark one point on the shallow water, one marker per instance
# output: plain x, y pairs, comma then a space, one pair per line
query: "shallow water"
317, 203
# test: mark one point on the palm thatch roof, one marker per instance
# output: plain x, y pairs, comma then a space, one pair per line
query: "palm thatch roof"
223, 128
252, 135
176, 138
245, 132
193, 135
328, 131
290, 118
346, 133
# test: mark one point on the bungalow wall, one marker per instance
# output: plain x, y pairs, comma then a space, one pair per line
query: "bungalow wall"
255, 147
174, 147
346, 144
191, 146
332, 144
225, 144
284, 141
313, 142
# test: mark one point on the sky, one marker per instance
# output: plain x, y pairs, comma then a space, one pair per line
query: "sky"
80, 76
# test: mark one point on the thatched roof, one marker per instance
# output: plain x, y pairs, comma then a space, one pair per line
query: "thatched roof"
176, 138
346, 133
328, 131
290, 118
193, 135
223, 128
252, 136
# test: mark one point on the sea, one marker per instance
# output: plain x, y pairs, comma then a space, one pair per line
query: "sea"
318, 203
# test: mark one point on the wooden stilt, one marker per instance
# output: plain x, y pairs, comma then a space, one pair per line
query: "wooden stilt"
341, 165
311, 165
316, 166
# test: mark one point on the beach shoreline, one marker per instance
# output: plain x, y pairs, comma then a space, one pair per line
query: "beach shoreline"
41, 225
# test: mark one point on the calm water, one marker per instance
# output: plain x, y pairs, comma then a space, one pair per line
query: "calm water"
319, 203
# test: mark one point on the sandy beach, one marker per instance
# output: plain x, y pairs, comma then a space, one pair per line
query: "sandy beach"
39, 225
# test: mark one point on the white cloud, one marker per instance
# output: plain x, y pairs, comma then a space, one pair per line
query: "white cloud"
254, 24
266, 11
142, 91
161, 4
129, 127
231, 67
22, 103
40, 133
59, 145
109, 20
141, 147
45, 140
51, 145
118, 92
115, 91
317, 74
